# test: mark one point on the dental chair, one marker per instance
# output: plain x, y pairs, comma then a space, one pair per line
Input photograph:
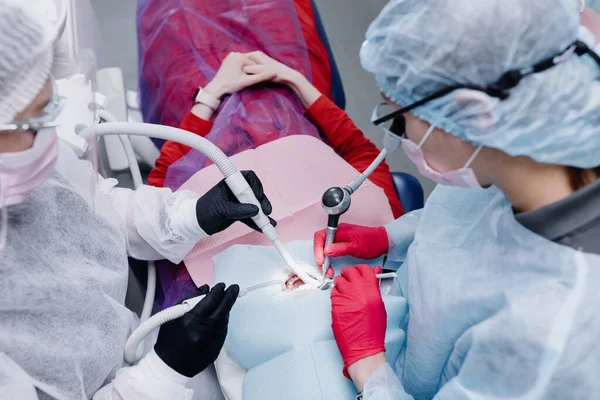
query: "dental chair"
409, 191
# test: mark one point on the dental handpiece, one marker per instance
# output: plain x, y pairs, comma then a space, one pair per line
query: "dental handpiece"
335, 201
244, 193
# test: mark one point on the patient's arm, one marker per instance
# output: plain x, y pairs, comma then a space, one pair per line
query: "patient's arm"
229, 79
173, 151
333, 123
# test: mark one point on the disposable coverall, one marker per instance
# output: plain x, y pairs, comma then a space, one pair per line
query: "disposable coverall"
494, 309
64, 278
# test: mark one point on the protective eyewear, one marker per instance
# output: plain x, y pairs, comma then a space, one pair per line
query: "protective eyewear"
46, 120
500, 89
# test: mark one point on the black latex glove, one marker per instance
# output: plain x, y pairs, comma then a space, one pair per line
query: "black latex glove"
219, 208
192, 342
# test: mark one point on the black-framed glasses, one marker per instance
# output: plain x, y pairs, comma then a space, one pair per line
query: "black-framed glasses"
501, 88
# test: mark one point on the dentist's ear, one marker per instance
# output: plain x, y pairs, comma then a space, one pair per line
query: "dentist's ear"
476, 103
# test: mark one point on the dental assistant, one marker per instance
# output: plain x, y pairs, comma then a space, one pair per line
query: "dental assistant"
498, 102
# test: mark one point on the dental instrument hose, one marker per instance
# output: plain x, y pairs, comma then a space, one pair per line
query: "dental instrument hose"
233, 178
169, 314
138, 181
336, 200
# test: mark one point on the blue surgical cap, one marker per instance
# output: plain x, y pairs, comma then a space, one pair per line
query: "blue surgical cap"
418, 47
595, 4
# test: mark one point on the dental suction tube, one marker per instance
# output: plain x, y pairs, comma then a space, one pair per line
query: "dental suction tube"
234, 178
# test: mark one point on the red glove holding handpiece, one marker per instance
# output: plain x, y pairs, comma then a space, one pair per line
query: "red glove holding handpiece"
358, 315
352, 240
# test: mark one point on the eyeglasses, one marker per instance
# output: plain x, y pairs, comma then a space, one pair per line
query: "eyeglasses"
46, 120
500, 89
397, 126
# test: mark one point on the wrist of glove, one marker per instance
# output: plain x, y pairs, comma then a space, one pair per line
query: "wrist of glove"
192, 342
352, 240
218, 209
359, 318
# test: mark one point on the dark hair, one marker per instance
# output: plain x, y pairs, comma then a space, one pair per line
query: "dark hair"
580, 178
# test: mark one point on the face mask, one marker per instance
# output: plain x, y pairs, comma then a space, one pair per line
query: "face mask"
22, 172
464, 177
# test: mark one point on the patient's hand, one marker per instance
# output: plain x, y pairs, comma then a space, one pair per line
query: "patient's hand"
232, 78
263, 63
284, 75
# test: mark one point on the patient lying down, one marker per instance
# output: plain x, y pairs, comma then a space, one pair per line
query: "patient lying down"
280, 344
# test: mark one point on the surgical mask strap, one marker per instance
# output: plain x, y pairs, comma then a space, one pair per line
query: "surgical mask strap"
3, 228
427, 134
475, 154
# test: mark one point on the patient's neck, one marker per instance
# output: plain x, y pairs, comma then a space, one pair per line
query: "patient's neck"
529, 185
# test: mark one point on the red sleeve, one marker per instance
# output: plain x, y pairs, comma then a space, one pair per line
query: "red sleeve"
173, 151
350, 143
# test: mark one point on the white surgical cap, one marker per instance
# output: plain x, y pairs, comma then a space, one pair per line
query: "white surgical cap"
26, 54
417, 47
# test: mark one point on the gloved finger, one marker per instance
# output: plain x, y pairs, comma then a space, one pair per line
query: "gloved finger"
266, 206
222, 311
351, 274
338, 249
330, 271
257, 188
334, 294
202, 290
254, 183
211, 302
377, 270
344, 232
253, 225
341, 285
365, 271
318, 247
239, 211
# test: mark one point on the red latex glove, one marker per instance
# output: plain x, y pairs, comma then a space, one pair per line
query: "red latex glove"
352, 240
358, 314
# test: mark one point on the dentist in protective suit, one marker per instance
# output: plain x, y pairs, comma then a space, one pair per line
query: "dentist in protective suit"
63, 263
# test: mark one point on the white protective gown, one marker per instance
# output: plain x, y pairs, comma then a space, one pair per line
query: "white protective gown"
63, 280
495, 311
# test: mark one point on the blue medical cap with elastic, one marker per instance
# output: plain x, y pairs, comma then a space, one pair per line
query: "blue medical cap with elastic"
417, 47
